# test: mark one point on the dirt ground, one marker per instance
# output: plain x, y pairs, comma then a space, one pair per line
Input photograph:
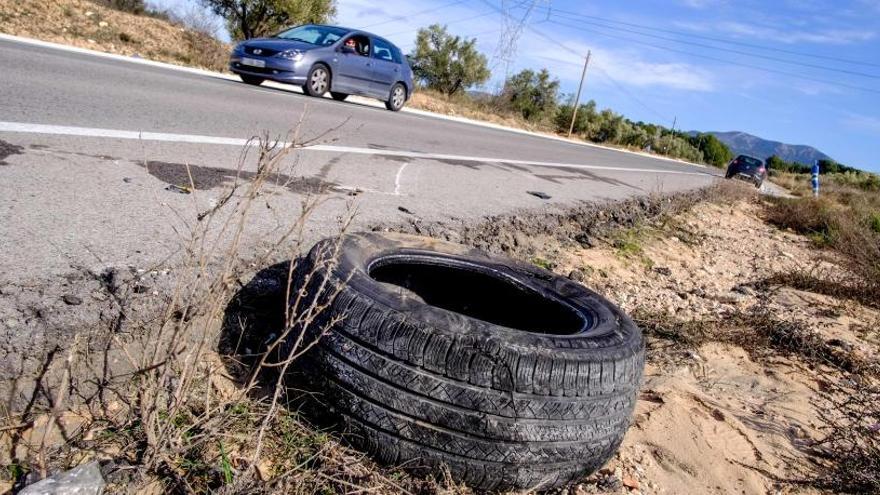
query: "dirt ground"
715, 419
86, 24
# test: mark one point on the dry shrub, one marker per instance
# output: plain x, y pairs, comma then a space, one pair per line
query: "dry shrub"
151, 397
851, 445
843, 222
757, 331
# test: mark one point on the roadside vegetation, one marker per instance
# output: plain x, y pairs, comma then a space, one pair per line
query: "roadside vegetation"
843, 221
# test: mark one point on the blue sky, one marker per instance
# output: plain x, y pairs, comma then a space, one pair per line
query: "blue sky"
696, 61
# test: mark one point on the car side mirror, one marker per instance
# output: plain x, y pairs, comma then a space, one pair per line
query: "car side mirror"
347, 49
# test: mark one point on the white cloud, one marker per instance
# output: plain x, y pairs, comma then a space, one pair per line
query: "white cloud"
782, 35
863, 123
627, 68
701, 4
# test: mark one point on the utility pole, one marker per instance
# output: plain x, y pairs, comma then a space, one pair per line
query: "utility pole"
672, 135
577, 101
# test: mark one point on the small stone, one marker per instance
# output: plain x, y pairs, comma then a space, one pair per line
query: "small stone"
662, 270
91, 40
585, 240
72, 300
10, 322
103, 24
630, 483
610, 483
576, 275
718, 415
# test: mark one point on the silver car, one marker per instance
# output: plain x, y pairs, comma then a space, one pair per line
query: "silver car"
328, 58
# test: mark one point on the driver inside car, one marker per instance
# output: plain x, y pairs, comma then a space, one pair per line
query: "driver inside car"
358, 46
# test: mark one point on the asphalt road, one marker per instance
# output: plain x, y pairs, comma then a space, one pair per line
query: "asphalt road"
88, 146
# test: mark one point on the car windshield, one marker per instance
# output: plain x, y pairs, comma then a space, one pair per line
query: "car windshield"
315, 35
752, 162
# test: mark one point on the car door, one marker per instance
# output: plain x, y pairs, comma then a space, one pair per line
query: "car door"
386, 68
353, 72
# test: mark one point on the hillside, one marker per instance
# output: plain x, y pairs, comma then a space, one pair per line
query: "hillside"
88, 25
747, 144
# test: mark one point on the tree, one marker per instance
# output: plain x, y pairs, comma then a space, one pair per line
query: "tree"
255, 18
714, 151
532, 95
586, 114
447, 63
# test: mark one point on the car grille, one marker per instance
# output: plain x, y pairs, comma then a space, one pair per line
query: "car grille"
264, 52
256, 70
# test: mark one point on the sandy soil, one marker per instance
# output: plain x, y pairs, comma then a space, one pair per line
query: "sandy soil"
715, 420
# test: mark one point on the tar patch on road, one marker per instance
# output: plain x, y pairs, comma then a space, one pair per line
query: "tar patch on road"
204, 178
7, 150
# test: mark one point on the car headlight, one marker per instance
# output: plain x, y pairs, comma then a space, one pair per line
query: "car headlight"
294, 55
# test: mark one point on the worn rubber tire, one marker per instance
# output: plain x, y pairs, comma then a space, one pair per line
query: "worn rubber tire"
501, 408
338, 96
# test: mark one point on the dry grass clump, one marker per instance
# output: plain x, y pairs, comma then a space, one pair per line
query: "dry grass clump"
845, 220
757, 331
851, 445
151, 397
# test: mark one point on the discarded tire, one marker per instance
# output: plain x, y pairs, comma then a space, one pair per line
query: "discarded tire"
510, 376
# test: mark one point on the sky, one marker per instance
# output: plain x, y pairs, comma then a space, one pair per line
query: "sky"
796, 71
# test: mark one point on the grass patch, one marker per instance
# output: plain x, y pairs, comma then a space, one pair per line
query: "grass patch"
844, 221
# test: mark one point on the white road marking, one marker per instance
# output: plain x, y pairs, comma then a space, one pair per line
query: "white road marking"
397, 179
355, 99
26, 128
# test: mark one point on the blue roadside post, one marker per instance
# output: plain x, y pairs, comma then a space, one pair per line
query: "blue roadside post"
815, 179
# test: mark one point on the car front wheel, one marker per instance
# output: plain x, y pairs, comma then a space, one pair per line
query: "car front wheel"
397, 98
318, 81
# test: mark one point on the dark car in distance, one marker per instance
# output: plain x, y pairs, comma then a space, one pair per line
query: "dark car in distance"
747, 168
331, 59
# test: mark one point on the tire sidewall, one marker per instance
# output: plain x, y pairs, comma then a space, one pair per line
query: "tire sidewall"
307, 87
390, 103
612, 332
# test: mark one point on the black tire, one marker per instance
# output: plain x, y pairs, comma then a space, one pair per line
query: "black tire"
338, 96
254, 80
318, 80
503, 408
396, 98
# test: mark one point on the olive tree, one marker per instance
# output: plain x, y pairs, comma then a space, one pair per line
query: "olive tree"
255, 18
532, 94
447, 63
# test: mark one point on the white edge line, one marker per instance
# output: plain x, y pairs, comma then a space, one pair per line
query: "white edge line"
365, 101
57, 130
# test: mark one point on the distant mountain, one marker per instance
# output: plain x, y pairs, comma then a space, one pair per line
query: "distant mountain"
742, 143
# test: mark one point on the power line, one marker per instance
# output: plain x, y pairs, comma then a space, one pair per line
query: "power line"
716, 39
729, 62
626, 92
574, 52
729, 50
415, 14
464, 19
